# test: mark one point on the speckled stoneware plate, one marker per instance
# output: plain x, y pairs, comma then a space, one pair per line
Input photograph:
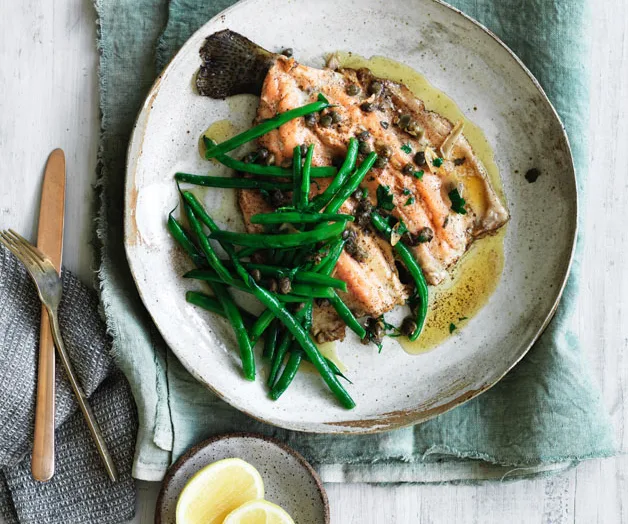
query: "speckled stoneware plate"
476, 70
288, 479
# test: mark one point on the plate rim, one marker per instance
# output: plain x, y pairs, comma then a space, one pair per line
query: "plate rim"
396, 419
174, 468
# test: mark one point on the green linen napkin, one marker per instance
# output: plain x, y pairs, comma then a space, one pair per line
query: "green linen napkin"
543, 416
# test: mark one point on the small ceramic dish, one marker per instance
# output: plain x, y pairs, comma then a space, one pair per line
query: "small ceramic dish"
289, 480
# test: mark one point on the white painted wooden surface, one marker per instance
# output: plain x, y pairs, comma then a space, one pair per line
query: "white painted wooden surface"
48, 99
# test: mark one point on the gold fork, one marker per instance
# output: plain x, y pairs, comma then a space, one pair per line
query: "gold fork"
49, 288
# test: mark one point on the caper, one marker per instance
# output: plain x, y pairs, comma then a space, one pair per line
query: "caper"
348, 234
408, 326
385, 151
364, 147
414, 129
326, 121
335, 117
408, 169
285, 286
277, 198
381, 162
262, 153
249, 158
337, 161
367, 107
404, 120
310, 119
272, 285
303, 148
419, 158
384, 124
256, 274
269, 160
353, 90
375, 87
425, 234
288, 51
363, 135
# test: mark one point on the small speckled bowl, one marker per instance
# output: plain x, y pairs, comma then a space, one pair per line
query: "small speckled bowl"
288, 479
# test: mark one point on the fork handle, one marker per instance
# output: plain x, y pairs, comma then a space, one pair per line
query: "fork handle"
81, 398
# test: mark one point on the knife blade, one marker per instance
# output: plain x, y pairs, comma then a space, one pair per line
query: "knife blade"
50, 241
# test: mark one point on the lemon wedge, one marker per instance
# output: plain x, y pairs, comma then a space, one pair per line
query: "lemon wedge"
258, 512
216, 490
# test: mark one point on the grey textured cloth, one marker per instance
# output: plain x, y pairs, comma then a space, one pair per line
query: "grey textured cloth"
80, 490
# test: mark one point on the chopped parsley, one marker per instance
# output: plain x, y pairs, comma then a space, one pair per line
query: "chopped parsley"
462, 318
457, 202
406, 191
419, 174
410, 201
437, 162
452, 328
385, 198
406, 148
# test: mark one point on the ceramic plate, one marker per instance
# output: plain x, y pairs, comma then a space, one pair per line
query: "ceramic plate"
491, 87
288, 479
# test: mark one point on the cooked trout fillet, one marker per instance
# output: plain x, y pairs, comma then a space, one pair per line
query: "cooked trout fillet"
393, 122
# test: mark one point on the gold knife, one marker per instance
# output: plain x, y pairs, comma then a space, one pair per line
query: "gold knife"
50, 241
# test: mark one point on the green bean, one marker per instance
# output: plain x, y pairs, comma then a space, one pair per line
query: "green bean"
413, 268
270, 340
262, 322
212, 304
320, 201
199, 210
304, 188
281, 240
327, 265
296, 176
345, 314
206, 247
295, 217
266, 126
289, 372
325, 268
242, 337
303, 316
298, 294
297, 276
268, 171
231, 182
335, 369
229, 306
352, 184
300, 334
180, 235
247, 252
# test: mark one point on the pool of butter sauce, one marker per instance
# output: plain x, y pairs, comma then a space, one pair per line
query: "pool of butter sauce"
476, 275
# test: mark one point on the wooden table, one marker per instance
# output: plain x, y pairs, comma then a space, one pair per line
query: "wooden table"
49, 98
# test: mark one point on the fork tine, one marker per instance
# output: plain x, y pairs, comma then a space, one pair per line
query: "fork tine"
20, 252
36, 252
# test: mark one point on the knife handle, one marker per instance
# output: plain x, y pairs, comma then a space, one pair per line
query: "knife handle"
43, 461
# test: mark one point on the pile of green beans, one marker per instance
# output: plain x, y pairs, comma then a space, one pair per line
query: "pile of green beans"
300, 247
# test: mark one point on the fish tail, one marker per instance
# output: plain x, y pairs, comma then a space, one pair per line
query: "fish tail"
232, 65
